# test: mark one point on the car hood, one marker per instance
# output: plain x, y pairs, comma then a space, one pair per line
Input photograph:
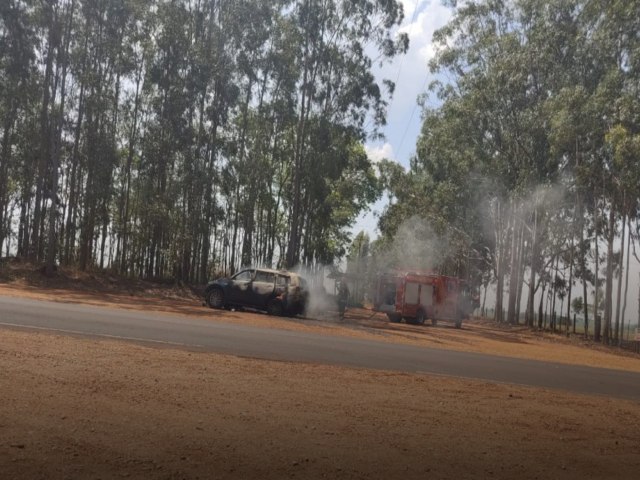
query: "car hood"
220, 281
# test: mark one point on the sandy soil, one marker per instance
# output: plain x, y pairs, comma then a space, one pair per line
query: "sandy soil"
78, 408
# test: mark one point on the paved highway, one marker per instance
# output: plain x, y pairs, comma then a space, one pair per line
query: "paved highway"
276, 344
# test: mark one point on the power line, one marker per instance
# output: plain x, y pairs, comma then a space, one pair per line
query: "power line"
413, 112
413, 19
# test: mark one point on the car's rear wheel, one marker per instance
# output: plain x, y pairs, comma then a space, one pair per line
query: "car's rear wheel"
215, 298
275, 308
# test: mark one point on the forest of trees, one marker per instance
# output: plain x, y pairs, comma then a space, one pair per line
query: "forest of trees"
530, 162
182, 138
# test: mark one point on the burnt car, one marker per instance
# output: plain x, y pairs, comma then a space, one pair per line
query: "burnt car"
277, 292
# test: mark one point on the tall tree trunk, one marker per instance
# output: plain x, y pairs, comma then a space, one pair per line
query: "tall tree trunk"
294, 238
540, 308
5, 154
513, 272
521, 272
500, 253
532, 274
583, 266
24, 226
124, 219
209, 204
70, 238
293, 246
570, 286
72, 214
88, 217
45, 133
626, 281
249, 207
235, 226
555, 291
52, 240
103, 237
616, 334
608, 296
597, 319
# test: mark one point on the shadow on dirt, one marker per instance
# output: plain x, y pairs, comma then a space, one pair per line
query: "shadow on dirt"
443, 333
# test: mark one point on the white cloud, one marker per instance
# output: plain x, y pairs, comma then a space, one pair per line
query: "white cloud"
376, 153
409, 7
430, 15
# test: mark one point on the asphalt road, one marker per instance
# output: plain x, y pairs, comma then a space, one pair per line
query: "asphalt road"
273, 344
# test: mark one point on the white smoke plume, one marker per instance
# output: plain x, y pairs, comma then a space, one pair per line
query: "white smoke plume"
322, 303
415, 245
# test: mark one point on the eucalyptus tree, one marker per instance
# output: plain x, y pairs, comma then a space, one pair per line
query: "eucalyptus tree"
494, 53
17, 97
336, 86
341, 184
613, 76
131, 127
219, 96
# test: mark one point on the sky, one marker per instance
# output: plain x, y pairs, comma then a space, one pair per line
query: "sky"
421, 19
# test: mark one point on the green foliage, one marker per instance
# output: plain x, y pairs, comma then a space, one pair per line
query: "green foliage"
577, 305
185, 137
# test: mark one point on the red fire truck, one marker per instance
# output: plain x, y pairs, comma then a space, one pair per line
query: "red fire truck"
419, 295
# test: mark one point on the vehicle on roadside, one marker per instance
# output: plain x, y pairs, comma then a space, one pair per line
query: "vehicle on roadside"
277, 292
419, 295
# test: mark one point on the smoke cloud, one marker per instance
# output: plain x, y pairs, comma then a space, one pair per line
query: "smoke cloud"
322, 303
415, 245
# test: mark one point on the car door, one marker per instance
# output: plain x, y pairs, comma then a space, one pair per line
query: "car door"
282, 285
262, 288
240, 292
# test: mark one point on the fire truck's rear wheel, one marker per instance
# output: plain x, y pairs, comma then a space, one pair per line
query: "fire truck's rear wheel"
420, 317
393, 318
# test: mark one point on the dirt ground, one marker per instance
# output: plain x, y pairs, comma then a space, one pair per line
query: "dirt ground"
73, 407
79, 408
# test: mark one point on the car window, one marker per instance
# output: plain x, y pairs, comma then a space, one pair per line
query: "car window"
282, 281
244, 276
264, 277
